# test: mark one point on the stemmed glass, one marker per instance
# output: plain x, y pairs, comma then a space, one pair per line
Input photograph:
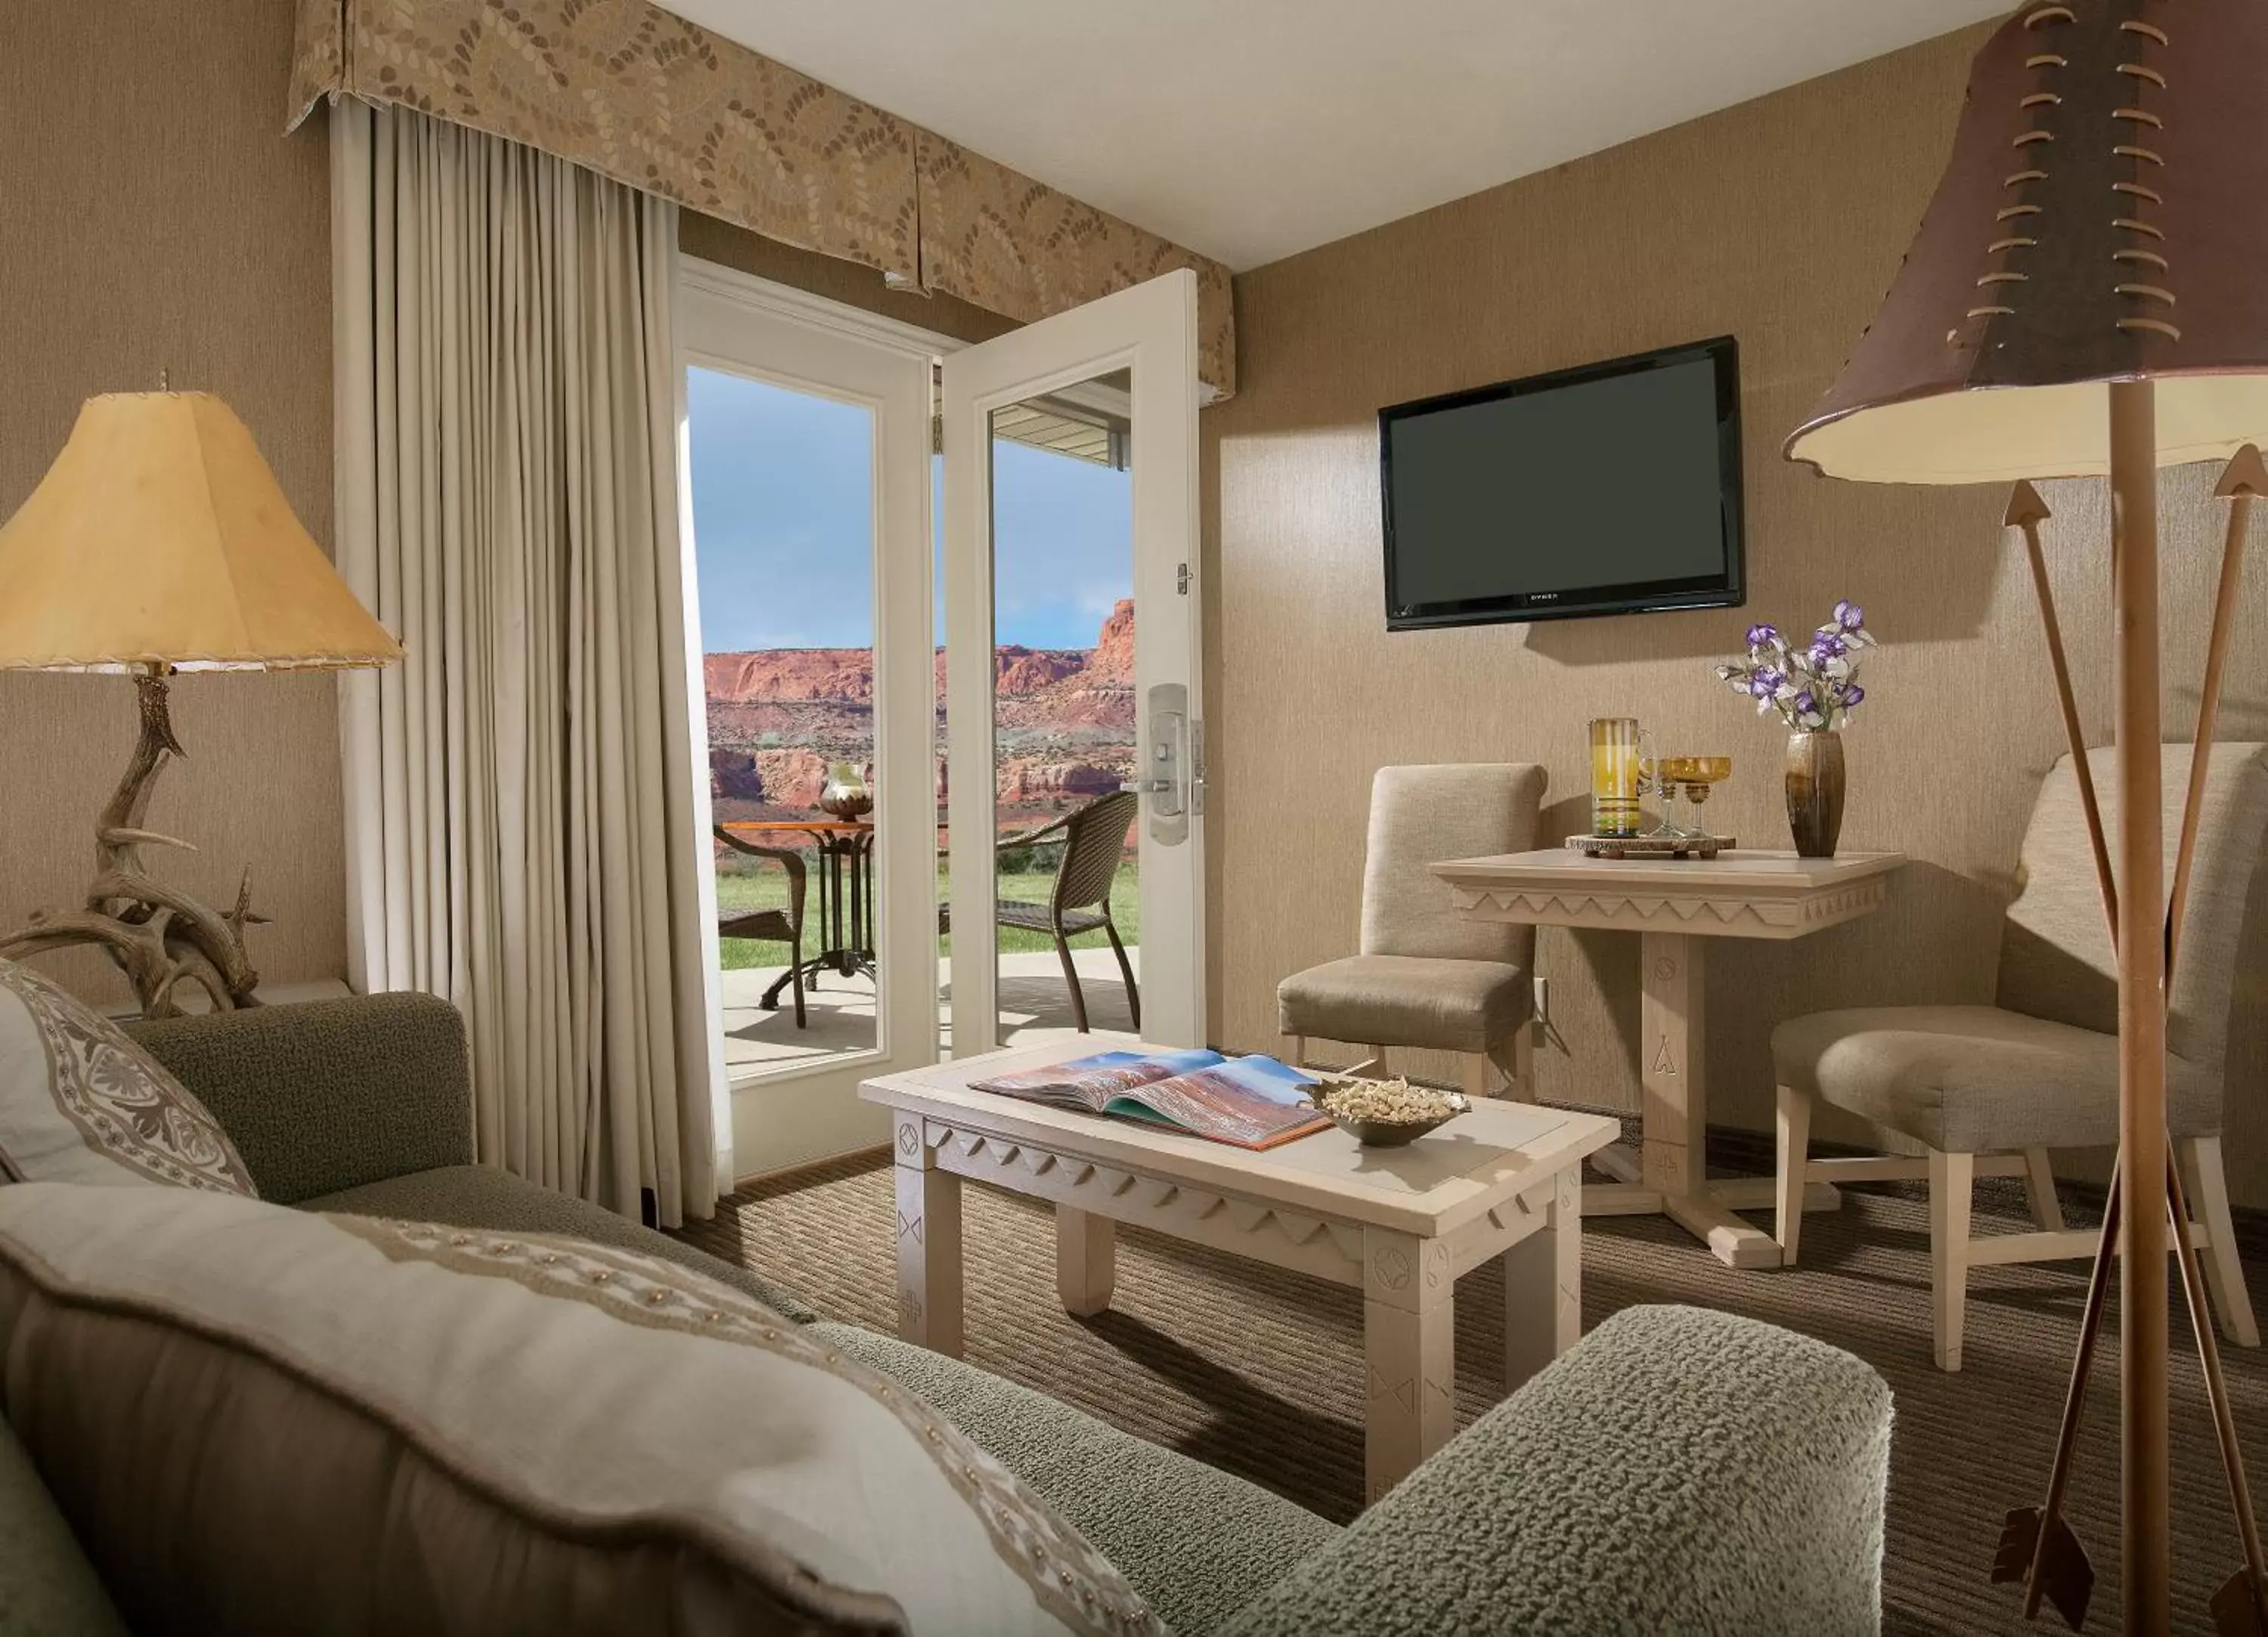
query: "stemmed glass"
1694, 776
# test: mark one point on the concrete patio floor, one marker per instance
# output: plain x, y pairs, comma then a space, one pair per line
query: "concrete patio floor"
1034, 1008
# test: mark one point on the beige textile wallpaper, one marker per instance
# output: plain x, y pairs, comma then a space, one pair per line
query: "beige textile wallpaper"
155, 221
1780, 222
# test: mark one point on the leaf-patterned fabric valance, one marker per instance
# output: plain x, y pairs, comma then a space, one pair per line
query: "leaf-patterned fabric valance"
634, 92
1013, 246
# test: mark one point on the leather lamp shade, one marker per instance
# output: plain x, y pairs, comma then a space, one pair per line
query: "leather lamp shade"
160, 539
2104, 216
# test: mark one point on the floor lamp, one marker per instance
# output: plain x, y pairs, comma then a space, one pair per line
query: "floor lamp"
159, 541
2087, 296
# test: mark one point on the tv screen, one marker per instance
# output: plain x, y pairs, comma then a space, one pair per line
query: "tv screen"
1612, 488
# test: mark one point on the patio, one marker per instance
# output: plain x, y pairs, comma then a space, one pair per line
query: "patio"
1035, 1008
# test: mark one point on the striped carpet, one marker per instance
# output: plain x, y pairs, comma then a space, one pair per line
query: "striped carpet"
1258, 1371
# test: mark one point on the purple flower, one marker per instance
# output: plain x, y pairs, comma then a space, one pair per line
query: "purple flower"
1763, 684
1759, 634
1805, 704
1849, 615
1853, 694
1827, 646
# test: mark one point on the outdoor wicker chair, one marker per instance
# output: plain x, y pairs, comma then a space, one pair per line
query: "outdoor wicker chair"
1094, 843
777, 926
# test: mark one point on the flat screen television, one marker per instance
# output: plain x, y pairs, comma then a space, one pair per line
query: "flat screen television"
1611, 488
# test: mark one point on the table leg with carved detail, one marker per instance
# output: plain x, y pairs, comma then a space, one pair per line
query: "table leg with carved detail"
929, 1242
1543, 1284
1677, 1104
1408, 1324
1086, 1260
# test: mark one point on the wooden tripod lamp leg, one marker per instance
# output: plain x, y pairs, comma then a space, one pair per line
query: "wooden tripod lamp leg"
2146, 1586
2026, 512
2251, 1582
2036, 1545
2245, 481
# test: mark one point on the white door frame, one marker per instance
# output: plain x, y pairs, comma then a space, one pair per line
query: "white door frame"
1152, 330
744, 326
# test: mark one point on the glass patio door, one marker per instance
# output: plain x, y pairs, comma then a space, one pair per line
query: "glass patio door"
1075, 767
806, 474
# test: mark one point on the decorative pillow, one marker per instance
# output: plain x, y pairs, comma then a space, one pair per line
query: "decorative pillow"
258, 1419
79, 1101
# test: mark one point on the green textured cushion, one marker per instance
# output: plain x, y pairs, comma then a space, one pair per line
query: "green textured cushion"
1196, 1542
329, 1094
497, 1201
1679, 1471
47, 1589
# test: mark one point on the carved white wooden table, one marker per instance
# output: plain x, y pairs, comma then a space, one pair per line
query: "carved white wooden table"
1671, 904
1399, 1224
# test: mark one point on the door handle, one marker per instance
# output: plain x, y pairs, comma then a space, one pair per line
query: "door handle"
1165, 776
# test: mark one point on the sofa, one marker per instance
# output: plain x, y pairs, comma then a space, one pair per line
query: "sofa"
1679, 1469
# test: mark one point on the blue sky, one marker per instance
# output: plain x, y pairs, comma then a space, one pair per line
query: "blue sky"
782, 520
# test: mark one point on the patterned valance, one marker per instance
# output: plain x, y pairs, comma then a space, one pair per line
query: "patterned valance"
1013, 246
634, 92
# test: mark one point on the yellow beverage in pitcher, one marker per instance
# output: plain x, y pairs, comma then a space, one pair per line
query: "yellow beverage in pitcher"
1617, 767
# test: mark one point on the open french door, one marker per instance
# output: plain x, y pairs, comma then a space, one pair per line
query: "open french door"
807, 491
1113, 385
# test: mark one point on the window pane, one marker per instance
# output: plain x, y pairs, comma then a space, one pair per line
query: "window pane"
784, 532
1063, 706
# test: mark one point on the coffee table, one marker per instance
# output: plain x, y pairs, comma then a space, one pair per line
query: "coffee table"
1499, 1183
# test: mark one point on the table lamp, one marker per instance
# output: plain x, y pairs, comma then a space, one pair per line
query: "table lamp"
2088, 295
159, 541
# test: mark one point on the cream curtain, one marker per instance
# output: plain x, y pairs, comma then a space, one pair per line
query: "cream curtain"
524, 818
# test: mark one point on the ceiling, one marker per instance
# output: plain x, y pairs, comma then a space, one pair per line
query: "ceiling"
1249, 129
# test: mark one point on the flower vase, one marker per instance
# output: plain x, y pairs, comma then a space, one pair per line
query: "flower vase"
1815, 792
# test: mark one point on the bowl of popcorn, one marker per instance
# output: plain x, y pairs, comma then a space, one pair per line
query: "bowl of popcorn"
1386, 1113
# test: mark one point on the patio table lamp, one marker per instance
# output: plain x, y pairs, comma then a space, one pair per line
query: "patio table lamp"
2088, 295
159, 541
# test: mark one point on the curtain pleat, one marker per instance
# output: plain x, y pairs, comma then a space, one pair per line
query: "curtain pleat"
524, 819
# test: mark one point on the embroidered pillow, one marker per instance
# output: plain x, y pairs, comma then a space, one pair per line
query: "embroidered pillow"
259, 1419
79, 1101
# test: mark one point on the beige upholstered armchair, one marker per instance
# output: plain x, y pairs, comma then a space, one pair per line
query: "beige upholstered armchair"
1992, 1089
1426, 977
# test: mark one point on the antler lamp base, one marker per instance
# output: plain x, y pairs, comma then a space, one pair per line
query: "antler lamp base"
158, 935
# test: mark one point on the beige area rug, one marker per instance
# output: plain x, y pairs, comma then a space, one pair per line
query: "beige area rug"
1258, 1371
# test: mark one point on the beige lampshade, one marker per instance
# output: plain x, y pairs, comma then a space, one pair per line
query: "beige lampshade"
2104, 217
159, 538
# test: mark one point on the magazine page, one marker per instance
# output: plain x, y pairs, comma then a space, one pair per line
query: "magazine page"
1092, 1082
1251, 1102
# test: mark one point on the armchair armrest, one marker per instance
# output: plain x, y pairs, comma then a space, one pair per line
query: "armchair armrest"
1027, 837
1679, 1471
789, 858
329, 1094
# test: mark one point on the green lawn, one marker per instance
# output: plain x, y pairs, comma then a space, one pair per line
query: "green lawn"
764, 887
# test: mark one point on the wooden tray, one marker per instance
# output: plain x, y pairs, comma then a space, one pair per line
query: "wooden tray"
1650, 846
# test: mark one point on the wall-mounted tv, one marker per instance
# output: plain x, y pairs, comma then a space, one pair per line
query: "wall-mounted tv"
1611, 488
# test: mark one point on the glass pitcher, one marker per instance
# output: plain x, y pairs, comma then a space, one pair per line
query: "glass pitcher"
1623, 763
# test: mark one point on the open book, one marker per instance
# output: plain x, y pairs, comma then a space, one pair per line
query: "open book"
1252, 1102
